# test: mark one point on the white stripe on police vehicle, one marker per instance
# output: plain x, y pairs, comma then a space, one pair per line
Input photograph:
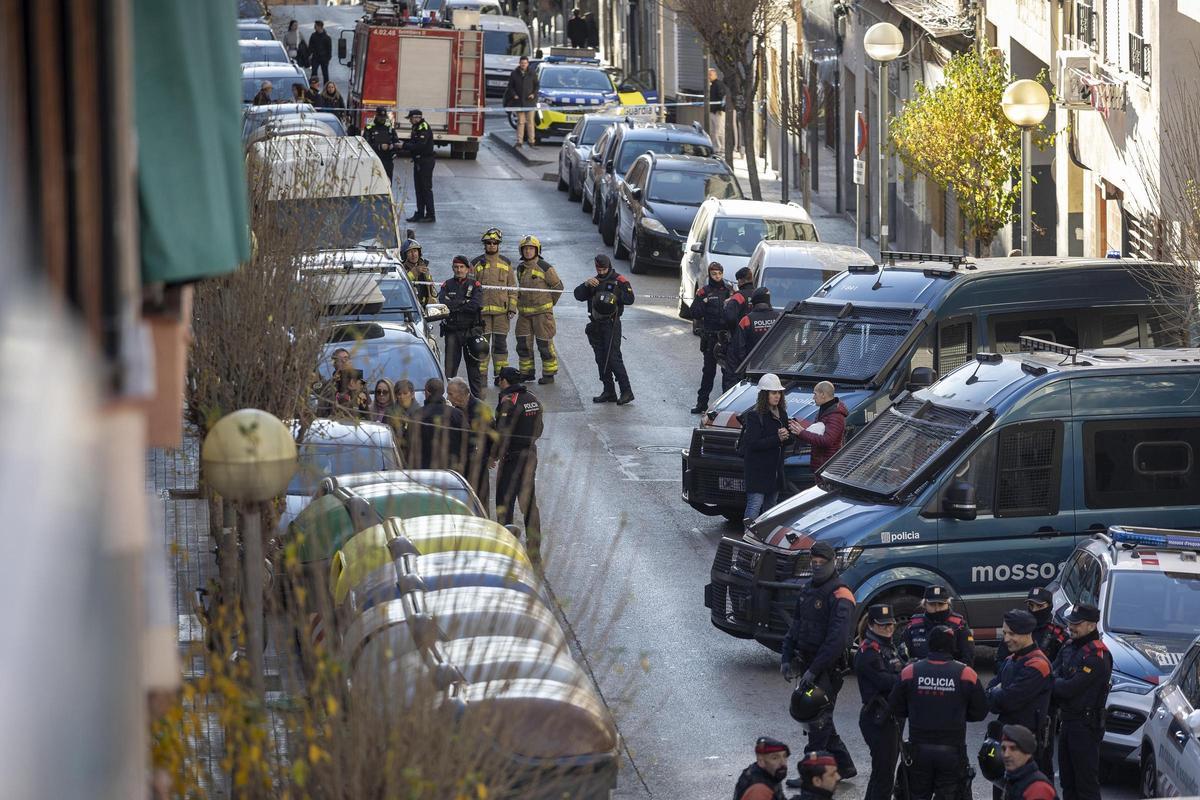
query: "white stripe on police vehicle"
991, 573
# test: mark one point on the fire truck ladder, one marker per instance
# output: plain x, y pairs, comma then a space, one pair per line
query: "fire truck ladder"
470, 91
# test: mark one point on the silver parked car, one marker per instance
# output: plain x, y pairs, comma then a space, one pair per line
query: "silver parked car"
577, 148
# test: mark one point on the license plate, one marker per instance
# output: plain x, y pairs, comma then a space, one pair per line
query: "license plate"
497, 83
572, 117
731, 484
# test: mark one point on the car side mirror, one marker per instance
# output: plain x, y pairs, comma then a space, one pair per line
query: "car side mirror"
696, 248
343, 48
636, 192
436, 311
921, 378
626, 87
959, 501
608, 165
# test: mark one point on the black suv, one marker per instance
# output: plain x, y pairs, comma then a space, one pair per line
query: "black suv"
628, 140
659, 199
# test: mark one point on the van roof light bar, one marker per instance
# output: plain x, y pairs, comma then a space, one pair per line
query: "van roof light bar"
1162, 538
892, 256
1031, 344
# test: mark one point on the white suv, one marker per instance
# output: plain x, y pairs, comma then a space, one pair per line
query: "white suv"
1171, 738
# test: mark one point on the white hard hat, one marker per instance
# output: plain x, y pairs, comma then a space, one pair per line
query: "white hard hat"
770, 383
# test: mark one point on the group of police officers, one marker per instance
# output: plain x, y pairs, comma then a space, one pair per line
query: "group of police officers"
1048, 682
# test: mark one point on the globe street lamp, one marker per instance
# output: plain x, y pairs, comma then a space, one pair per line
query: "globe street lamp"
1026, 104
883, 43
250, 456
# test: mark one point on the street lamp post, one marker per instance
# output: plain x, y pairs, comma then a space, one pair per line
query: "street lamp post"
1026, 104
883, 43
250, 456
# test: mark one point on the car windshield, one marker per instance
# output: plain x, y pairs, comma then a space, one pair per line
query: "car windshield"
850, 349
281, 87
691, 188
592, 131
397, 295
897, 446
505, 43
258, 34
631, 149
318, 460
1149, 603
271, 52
738, 236
410, 359
592, 80
790, 284
336, 223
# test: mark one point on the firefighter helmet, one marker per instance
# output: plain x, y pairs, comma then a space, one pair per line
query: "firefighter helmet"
409, 244
529, 240
492, 235
808, 703
478, 345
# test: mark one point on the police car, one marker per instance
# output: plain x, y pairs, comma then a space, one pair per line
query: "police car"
569, 87
1171, 738
1146, 583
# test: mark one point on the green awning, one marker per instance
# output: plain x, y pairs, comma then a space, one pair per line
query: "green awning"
191, 172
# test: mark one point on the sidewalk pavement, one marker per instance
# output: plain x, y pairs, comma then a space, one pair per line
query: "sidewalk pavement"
541, 155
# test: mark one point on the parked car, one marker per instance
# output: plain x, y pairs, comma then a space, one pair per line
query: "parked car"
263, 51
1171, 741
577, 148
657, 202
628, 141
383, 350
1146, 583
593, 168
793, 271
281, 76
287, 119
727, 231
255, 29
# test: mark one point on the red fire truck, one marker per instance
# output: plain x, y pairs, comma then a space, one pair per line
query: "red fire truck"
403, 64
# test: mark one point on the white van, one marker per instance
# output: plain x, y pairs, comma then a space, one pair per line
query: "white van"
794, 270
727, 231
505, 40
330, 192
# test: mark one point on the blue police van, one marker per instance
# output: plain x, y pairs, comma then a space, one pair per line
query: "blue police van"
876, 331
984, 481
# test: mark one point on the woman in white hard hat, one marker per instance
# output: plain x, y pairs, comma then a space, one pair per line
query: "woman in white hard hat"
764, 437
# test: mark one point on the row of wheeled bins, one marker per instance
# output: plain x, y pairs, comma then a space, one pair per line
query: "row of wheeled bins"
434, 612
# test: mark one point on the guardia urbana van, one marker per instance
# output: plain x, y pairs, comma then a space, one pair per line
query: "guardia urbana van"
984, 481
876, 331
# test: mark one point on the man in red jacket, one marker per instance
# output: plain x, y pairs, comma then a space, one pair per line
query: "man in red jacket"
827, 433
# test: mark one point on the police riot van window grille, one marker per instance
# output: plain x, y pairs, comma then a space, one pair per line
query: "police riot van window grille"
847, 349
1028, 470
1141, 464
1007, 330
956, 345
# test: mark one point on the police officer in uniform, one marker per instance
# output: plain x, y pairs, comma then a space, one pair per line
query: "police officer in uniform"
936, 611
938, 696
417, 269
462, 295
819, 776
763, 780
499, 304
606, 296
751, 328
708, 310
420, 147
1022, 778
519, 423
878, 665
737, 306
1081, 675
814, 646
540, 288
382, 139
1019, 694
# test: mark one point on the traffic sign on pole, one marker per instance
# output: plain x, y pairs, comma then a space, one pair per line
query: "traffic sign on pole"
860, 133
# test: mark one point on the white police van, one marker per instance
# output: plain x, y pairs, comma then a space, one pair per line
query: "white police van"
1146, 583
1171, 738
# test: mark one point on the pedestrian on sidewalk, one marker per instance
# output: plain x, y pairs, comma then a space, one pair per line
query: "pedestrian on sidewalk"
577, 29
522, 94
716, 111
320, 50
292, 40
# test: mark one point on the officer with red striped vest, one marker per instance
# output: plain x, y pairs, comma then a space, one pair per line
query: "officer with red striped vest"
763, 780
877, 666
936, 611
814, 645
752, 327
1022, 778
938, 696
1020, 692
1081, 675
819, 776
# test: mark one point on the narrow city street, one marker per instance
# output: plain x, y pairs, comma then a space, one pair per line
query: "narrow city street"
626, 558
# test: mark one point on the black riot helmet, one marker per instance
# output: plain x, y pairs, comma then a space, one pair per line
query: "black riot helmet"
991, 766
604, 304
478, 345
808, 703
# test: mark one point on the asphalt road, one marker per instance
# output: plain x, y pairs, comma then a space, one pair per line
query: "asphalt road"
626, 557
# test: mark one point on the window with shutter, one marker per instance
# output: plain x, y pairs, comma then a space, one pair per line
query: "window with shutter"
1112, 32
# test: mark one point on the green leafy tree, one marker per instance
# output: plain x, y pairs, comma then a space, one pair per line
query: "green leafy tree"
956, 135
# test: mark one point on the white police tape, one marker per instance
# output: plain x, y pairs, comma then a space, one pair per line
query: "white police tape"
491, 111
551, 291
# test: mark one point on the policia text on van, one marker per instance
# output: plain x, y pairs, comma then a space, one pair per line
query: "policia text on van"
875, 331
991, 475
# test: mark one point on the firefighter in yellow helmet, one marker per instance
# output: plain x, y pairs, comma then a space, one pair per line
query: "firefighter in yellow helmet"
535, 307
499, 304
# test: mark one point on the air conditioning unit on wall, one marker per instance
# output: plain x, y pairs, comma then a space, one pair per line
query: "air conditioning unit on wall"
1072, 65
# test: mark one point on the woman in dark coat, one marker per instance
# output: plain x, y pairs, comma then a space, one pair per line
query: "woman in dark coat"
765, 436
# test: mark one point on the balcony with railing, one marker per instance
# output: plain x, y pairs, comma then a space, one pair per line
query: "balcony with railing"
1139, 56
1085, 23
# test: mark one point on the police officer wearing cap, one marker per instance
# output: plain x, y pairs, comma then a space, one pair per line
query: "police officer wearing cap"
814, 646
519, 425
819, 776
763, 780
708, 312
420, 147
752, 327
938, 696
606, 294
878, 665
936, 611
1022, 778
462, 330
1081, 675
1019, 694
737, 306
